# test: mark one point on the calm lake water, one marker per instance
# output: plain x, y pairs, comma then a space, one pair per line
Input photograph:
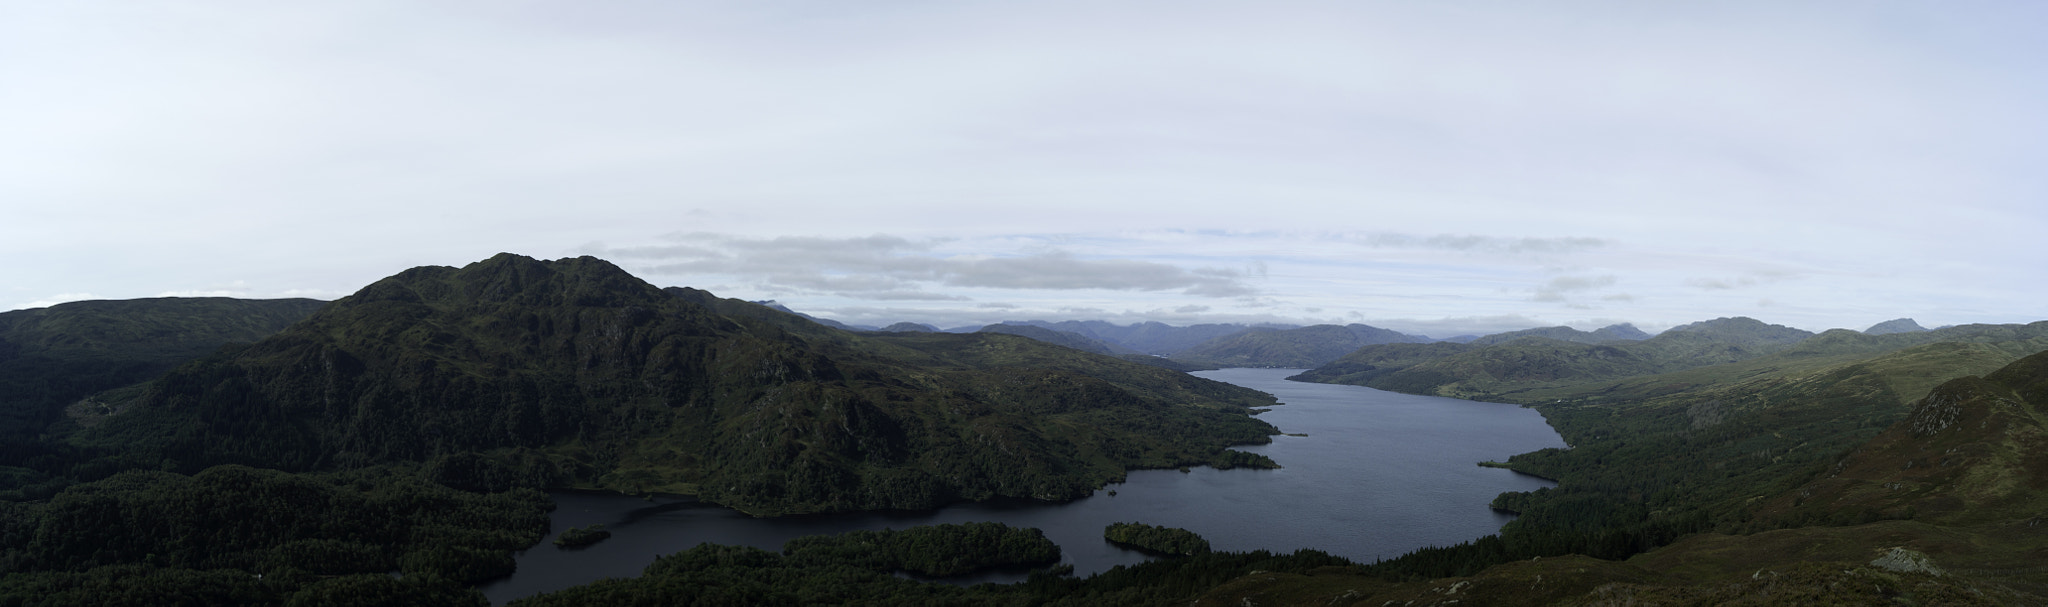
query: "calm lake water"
1378, 475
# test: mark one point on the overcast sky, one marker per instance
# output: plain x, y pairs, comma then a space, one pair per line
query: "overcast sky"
1430, 167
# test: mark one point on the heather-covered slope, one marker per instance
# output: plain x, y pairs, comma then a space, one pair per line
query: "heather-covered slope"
513, 371
1973, 451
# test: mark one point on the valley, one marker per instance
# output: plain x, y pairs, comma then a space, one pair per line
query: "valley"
1723, 458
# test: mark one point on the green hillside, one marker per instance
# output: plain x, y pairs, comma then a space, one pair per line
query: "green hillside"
519, 372
1620, 332
1060, 338
1845, 457
51, 357
1535, 370
53, 360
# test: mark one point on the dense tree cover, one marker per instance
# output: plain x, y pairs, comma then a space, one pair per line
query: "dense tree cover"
1650, 464
1170, 540
518, 372
931, 550
239, 535
53, 361
578, 537
842, 570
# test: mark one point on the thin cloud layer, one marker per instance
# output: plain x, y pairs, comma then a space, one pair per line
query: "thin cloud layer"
883, 267
1206, 162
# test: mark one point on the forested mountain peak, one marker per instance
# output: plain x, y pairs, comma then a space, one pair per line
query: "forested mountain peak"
575, 373
507, 278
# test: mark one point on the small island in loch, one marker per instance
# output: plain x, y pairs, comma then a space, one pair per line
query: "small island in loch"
1166, 540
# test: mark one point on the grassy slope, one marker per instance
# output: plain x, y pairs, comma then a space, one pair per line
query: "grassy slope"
1802, 502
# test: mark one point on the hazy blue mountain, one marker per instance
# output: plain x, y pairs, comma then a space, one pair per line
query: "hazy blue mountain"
1742, 329
911, 327
1304, 347
1898, 325
1147, 337
1620, 332
1060, 338
823, 321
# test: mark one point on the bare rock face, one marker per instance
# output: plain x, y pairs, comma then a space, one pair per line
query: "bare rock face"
1901, 560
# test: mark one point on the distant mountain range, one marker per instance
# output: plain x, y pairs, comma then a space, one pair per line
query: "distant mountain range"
1620, 332
1304, 347
1899, 325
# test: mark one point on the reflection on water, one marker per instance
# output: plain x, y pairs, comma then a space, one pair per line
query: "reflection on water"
1378, 475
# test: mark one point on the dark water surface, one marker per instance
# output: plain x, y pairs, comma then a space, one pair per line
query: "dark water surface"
1378, 475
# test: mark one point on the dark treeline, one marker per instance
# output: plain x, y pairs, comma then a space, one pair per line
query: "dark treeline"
1169, 540
582, 536
833, 571
239, 535
933, 550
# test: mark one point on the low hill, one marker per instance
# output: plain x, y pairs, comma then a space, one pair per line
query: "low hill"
1060, 338
573, 373
56, 357
910, 327
1620, 332
1500, 371
1304, 347
1086, 344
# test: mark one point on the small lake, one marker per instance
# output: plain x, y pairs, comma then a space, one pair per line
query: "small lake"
1378, 474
